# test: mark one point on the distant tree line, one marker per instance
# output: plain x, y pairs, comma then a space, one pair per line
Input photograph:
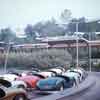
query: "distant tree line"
52, 28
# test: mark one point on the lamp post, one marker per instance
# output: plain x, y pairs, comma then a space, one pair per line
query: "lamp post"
77, 47
90, 52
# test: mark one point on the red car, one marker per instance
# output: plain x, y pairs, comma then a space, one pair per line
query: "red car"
31, 80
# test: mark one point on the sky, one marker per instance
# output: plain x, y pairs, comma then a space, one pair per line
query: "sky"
19, 13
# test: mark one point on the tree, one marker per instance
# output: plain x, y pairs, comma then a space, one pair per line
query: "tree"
30, 33
38, 27
52, 29
29, 30
65, 15
48, 28
7, 35
81, 25
90, 35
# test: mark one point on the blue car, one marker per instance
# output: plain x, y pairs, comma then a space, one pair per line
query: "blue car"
53, 84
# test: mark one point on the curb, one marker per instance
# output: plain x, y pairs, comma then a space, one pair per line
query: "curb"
85, 85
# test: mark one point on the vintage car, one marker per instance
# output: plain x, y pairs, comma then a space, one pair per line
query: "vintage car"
83, 72
12, 93
14, 72
57, 70
8, 76
25, 73
62, 68
17, 84
80, 71
47, 73
54, 84
31, 80
73, 74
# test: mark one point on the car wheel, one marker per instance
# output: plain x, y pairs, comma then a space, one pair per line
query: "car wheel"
61, 87
75, 82
19, 97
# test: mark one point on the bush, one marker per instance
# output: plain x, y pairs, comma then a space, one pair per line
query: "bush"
96, 67
41, 59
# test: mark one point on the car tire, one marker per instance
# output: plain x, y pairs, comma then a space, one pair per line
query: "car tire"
75, 82
61, 87
20, 97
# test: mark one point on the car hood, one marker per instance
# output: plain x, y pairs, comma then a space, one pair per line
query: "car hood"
71, 74
28, 78
49, 81
9, 77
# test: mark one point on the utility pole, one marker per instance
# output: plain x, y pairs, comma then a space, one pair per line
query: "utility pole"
77, 47
90, 51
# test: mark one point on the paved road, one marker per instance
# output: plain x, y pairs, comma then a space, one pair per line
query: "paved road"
91, 94
32, 95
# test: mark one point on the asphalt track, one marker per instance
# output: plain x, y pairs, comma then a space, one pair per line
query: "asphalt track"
92, 93
32, 95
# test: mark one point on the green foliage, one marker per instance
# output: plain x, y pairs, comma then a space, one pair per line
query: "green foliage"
40, 59
96, 67
66, 15
7, 35
48, 28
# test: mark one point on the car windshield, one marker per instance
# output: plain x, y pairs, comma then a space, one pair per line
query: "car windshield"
75, 72
5, 83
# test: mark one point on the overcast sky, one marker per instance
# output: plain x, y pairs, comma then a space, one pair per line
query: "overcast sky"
18, 13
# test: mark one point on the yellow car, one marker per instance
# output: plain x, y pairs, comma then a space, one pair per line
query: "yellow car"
12, 93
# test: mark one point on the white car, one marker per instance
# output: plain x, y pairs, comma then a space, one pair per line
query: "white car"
62, 68
80, 71
15, 84
83, 72
9, 77
57, 70
47, 73
74, 75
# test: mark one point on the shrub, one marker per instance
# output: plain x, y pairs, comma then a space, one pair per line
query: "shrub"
41, 59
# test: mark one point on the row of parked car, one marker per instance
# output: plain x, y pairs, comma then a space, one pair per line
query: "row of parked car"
14, 85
